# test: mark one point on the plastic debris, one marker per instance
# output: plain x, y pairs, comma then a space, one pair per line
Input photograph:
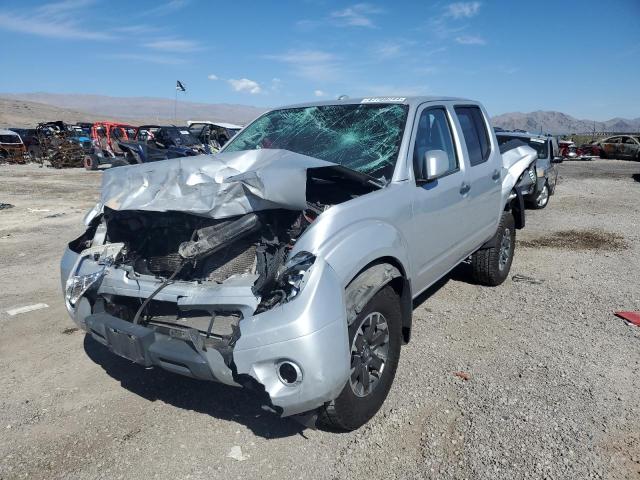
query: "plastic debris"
524, 278
631, 317
463, 375
236, 454
27, 308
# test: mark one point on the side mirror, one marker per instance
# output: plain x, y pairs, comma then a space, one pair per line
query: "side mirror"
557, 160
435, 164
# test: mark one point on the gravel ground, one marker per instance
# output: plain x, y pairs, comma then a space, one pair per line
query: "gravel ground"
532, 379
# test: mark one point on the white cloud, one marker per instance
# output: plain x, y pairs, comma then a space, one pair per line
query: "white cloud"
245, 85
463, 9
212, 76
173, 45
276, 83
312, 64
470, 40
52, 20
358, 15
169, 7
319, 93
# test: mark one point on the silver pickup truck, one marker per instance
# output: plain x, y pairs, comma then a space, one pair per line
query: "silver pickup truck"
288, 262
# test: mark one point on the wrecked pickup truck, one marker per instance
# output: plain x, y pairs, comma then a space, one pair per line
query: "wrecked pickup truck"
288, 262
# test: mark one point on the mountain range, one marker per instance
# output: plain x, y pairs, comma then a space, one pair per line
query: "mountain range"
24, 109
560, 123
152, 110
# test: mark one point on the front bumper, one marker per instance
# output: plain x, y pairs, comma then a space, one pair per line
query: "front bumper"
310, 331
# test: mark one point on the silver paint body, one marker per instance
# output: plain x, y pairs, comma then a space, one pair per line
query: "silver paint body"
427, 230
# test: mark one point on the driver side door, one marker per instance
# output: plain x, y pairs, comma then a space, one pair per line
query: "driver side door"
438, 229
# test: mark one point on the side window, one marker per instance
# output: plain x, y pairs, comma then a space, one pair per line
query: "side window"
433, 133
475, 134
629, 140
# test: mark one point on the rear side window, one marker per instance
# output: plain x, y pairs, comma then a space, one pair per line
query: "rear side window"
475, 134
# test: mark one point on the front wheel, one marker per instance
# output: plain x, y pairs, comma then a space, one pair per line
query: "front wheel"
542, 199
375, 337
491, 265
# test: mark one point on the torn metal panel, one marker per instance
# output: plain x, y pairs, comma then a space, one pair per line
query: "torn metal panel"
220, 186
363, 288
515, 162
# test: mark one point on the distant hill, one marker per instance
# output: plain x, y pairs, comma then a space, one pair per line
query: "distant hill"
559, 123
153, 110
20, 113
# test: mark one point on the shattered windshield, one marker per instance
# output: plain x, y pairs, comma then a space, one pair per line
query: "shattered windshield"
364, 138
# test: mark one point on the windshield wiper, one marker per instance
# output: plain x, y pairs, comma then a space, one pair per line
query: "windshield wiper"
358, 176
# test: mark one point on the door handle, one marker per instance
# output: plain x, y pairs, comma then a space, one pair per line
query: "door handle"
464, 188
496, 175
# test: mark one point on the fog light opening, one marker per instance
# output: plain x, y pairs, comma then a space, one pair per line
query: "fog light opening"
289, 373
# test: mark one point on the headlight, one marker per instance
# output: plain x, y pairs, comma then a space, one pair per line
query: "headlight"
78, 285
293, 277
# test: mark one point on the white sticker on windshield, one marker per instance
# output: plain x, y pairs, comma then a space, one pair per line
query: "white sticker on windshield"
184, 132
383, 99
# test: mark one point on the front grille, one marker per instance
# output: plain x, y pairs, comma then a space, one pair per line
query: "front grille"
166, 264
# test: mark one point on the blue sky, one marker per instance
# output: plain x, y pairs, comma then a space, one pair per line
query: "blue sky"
579, 57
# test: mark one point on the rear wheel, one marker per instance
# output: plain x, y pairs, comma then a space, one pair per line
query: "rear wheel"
491, 265
90, 162
375, 338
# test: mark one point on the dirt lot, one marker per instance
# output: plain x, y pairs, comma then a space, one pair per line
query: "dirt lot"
553, 383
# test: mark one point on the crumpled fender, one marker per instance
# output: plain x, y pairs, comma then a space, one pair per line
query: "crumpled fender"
514, 163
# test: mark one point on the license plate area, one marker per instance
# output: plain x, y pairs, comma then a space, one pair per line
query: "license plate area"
126, 345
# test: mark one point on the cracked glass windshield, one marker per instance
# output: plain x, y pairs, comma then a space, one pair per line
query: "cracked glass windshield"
364, 138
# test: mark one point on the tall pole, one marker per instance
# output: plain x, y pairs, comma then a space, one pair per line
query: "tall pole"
175, 108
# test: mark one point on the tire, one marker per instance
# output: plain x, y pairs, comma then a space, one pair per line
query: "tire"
490, 266
90, 162
603, 155
351, 410
542, 198
119, 162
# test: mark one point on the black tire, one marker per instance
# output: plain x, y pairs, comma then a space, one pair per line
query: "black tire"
119, 162
603, 155
541, 199
350, 411
90, 162
491, 266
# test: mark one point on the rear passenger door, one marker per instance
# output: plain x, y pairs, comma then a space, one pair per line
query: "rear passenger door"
483, 179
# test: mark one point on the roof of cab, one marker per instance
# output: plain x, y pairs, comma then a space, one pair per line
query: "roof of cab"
402, 100
7, 132
506, 133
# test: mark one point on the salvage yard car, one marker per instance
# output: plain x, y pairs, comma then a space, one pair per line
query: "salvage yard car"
288, 263
12, 149
543, 172
621, 146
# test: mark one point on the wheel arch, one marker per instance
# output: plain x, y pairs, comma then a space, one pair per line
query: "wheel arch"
374, 276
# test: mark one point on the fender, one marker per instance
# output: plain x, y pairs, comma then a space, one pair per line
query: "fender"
344, 251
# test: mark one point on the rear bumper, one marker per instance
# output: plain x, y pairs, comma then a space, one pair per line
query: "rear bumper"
310, 331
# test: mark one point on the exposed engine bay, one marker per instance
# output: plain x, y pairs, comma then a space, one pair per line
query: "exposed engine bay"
249, 251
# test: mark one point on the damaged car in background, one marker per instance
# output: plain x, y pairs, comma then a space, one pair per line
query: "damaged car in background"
287, 263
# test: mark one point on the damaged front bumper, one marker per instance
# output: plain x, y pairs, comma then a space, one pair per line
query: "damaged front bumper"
297, 353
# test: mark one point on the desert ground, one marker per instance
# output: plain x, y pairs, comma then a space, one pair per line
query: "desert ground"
533, 379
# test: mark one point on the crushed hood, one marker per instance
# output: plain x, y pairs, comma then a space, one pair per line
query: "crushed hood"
214, 186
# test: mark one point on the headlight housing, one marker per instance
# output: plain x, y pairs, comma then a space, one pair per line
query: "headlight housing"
293, 276
78, 285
